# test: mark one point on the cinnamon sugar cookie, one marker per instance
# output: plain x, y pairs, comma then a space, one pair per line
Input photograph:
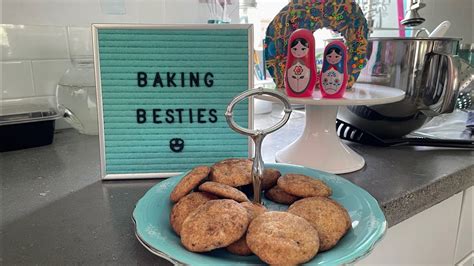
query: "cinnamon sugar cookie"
270, 177
327, 216
232, 172
278, 195
215, 224
223, 191
282, 238
240, 247
185, 206
303, 186
253, 209
189, 182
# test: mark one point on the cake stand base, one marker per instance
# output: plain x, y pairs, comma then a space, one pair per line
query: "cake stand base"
320, 147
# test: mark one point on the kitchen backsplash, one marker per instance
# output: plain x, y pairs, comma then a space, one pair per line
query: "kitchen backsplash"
34, 58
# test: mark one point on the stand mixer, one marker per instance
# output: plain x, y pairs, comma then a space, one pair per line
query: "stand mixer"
427, 69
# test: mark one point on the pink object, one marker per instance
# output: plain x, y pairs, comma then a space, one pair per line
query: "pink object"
401, 28
333, 79
300, 71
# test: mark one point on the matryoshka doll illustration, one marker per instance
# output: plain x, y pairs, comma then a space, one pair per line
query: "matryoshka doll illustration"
333, 80
300, 71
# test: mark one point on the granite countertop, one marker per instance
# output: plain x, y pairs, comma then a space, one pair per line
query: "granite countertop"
56, 210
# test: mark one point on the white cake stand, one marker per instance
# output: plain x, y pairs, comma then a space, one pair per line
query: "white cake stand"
319, 146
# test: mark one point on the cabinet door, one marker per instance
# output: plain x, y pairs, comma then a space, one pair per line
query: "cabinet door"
428, 238
465, 244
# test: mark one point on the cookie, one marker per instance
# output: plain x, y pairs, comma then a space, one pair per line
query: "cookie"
270, 177
232, 172
303, 186
185, 206
253, 209
189, 182
330, 219
215, 224
223, 191
278, 195
240, 247
282, 238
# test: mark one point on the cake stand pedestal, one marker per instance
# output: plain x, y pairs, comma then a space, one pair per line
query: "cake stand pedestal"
319, 146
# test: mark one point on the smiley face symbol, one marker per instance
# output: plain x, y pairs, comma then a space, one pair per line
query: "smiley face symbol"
177, 144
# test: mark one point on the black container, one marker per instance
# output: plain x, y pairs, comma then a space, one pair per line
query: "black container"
27, 123
26, 135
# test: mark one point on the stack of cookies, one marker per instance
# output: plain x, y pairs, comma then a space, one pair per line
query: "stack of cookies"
212, 211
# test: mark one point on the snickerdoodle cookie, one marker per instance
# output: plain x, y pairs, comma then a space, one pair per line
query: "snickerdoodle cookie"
282, 238
240, 247
185, 206
232, 172
270, 177
278, 195
303, 186
189, 182
328, 217
223, 191
215, 224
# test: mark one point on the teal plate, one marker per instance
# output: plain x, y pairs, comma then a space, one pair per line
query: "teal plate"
151, 218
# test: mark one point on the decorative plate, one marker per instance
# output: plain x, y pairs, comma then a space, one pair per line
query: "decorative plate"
151, 218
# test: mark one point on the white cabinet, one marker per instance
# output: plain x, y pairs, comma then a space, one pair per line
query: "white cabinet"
465, 242
428, 238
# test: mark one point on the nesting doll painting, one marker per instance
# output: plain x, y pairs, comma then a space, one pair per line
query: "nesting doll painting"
333, 80
300, 74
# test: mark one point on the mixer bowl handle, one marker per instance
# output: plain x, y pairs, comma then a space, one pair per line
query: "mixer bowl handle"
440, 77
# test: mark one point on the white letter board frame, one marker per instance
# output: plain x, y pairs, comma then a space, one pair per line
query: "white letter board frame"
102, 141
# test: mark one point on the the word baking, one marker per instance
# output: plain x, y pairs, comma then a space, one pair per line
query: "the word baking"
173, 79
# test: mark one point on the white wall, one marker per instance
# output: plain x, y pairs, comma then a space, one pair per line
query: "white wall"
33, 57
459, 12
26, 46
262, 16
85, 12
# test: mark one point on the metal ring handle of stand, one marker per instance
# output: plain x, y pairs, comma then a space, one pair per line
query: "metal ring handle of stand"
259, 134
260, 91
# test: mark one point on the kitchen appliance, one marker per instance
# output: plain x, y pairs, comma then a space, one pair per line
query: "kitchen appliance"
427, 69
349, 132
439, 32
466, 51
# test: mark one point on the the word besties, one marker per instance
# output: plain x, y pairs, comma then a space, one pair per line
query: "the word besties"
159, 115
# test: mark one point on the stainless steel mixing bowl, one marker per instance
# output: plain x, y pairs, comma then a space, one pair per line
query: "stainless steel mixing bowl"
427, 69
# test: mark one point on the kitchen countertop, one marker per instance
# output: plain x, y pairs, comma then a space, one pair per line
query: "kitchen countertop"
56, 210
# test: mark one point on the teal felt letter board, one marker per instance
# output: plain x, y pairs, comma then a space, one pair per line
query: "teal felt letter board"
162, 94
